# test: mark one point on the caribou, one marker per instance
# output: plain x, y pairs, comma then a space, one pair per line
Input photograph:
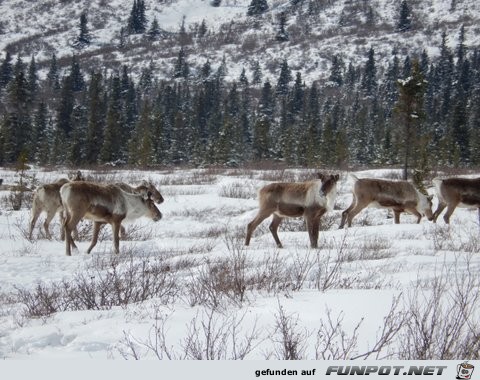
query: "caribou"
399, 196
456, 192
102, 204
144, 188
47, 199
308, 199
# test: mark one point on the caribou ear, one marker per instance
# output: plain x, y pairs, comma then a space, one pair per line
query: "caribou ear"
321, 176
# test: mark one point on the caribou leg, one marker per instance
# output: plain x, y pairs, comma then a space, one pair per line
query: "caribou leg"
261, 216
274, 228
96, 229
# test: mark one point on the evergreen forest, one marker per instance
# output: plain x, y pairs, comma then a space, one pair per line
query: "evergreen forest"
420, 111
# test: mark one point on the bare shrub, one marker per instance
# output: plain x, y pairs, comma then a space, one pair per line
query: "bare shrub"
193, 214
210, 336
281, 175
293, 225
216, 282
289, 339
42, 301
327, 274
442, 322
135, 232
440, 237
458, 239
333, 342
328, 221
238, 190
298, 272
188, 178
119, 284
217, 338
371, 248
183, 190
22, 227
85, 231
270, 274
393, 324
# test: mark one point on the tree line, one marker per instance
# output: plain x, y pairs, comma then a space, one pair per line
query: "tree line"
419, 112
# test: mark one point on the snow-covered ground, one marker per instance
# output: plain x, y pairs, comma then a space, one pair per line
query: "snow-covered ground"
360, 280
41, 29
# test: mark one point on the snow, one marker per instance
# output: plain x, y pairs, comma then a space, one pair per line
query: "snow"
43, 28
200, 226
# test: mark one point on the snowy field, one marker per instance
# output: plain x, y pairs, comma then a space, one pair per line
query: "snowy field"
187, 288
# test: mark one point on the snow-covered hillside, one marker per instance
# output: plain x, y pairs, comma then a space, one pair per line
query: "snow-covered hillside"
345, 28
365, 289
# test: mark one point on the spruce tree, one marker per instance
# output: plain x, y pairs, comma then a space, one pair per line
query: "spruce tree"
154, 31
122, 38
390, 83
32, 80
405, 18
284, 79
296, 102
6, 70
461, 48
114, 127
206, 70
267, 101
96, 119
53, 78
18, 124
84, 37
474, 129
202, 29
183, 37
65, 108
226, 144
40, 135
410, 109
76, 76
243, 78
181, 69
261, 141
336, 71
257, 7
141, 146
77, 148
257, 73
137, 22
407, 67
282, 34
369, 79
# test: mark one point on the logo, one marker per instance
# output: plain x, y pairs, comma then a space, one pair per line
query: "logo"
464, 371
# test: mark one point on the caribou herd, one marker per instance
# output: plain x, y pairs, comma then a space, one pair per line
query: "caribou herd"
75, 198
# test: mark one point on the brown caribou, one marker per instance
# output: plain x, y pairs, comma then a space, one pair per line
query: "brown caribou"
399, 196
456, 192
308, 199
47, 199
102, 204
